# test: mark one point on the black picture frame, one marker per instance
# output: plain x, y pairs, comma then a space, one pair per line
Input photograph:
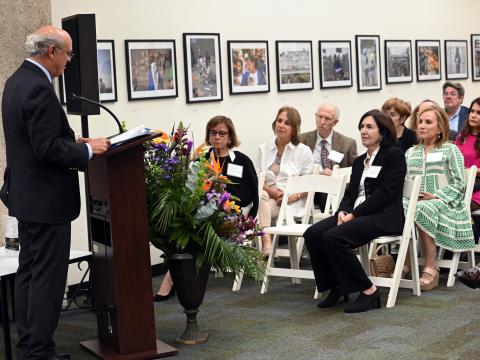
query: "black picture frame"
239, 54
151, 67
203, 82
475, 56
107, 73
335, 63
428, 60
456, 59
398, 61
294, 65
368, 56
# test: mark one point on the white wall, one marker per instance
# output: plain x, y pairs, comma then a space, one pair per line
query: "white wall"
268, 20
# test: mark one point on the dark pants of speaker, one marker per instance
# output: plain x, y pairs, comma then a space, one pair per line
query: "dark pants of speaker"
39, 286
334, 262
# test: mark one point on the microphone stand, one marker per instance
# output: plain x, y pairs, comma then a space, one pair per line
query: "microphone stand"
81, 98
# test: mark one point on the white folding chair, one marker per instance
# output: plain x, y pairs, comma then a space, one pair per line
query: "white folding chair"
332, 201
237, 283
309, 184
454, 264
411, 189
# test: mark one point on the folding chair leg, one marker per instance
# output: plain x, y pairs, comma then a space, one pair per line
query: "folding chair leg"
414, 266
294, 258
453, 269
237, 284
266, 278
397, 274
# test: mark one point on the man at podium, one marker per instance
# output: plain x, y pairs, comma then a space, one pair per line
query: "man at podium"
41, 187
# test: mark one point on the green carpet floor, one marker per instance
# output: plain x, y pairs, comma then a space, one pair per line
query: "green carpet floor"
286, 324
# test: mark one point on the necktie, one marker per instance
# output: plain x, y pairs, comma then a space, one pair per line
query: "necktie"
326, 164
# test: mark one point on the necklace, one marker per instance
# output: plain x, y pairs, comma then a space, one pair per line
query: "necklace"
278, 159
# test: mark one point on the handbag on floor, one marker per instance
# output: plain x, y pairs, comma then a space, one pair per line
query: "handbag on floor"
382, 265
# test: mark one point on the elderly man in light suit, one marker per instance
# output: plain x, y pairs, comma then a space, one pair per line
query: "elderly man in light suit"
329, 147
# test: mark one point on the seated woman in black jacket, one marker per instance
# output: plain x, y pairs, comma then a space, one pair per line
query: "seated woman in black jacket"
372, 207
220, 134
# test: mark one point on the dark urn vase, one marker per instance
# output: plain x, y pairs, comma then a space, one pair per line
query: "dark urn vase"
190, 286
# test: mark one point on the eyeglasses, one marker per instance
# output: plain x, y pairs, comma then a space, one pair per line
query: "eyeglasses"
70, 54
219, 133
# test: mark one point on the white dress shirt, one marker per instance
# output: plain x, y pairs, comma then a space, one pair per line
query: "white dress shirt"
296, 160
361, 197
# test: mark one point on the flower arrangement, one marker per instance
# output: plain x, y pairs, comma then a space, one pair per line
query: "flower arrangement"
190, 210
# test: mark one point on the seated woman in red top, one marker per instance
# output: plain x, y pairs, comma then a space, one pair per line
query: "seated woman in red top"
469, 144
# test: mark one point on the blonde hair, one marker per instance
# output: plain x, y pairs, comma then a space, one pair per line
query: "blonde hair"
442, 121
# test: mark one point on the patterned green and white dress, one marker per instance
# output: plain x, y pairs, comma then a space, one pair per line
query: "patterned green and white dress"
446, 219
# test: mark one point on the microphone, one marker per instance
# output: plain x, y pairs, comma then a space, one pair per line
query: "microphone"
81, 98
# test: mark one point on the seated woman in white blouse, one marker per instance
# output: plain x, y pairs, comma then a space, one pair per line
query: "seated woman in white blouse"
278, 159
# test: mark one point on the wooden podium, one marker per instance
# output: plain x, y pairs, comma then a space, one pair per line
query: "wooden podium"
121, 257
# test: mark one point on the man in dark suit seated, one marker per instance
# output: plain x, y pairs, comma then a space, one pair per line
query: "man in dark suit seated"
329, 147
41, 187
453, 94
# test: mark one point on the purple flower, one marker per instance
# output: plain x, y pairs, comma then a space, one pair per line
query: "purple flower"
225, 196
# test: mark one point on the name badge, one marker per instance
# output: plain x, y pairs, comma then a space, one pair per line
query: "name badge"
373, 171
434, 157
234, 170
336, 156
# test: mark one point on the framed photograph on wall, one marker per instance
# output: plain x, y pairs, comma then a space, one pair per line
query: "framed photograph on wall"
335, 64
428, 60
151, 69
368, 62
456, 59
107, 78
398, 61
475, 43
248, 67
294, 65
203, 71
61, 90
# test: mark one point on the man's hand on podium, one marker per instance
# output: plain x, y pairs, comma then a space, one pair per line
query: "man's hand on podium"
99, 145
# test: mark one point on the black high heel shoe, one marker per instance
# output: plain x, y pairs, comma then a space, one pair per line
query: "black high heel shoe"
158, 297
364, 302
332, 299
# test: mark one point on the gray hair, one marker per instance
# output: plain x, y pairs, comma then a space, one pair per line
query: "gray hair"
37, 44
337, 110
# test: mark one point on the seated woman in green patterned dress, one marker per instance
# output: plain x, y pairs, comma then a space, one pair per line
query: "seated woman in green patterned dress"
441, 216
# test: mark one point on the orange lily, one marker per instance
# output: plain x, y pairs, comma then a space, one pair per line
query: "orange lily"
162, 139
206, 185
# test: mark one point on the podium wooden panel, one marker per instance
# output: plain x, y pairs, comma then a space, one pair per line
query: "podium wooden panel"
121, 257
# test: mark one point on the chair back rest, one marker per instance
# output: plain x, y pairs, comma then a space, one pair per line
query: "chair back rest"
470, 175
309, 184
332, 202
411, 190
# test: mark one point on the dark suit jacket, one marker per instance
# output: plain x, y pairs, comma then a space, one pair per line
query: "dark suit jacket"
42, 155
462, 116
383, 194
340, 143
